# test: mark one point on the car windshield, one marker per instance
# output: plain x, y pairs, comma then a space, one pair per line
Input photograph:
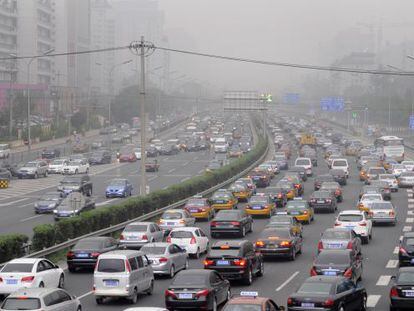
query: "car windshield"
31, 164
196, 202
302, 162
153, 250
409, 242
88, 244
58, 162
189, 279
75, 162
21, 303
339, 163
109, 265
117, 183
220, 196
172, 215
227, 215
337, 235
18, 267
406, 277
181, 234
381, 205
136, 228
258, 199
327, 257
351, 218
243, 307
50, 197
97, 154
371, 197
315, 288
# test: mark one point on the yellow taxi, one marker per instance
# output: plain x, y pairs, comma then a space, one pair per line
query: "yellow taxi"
241, 191
388, 163
199, 207
260, 204
289, 187
251, 301
296, 180
223, 199
300, 209
283, 220
367, 200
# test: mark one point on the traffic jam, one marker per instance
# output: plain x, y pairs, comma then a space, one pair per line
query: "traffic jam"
307, 229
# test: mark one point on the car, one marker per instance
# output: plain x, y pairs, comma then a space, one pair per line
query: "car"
270, 169
84, 254
240, 191
80, 166
397, 169
137, 234
47, 202
192, 239
324, 201
341, 164
152, 151
294, 178
300, 209
383, 212
283, 220
100, 157
4, 151
57, 166
373, 173
235, 260
334, 188
406, 249
11, 167
338, 262
122, 274
301, 171
166, 258
231, 222
81, 183
199, 208
340, 238
138, 153
282, 162
197, 289
251, 301
279, 196
328, 293
249, 182
390, 180
73, 205
261, 178
29, 273
235, 152
367, 200
80, 147
175, 218
358, 221
279, 242
127, 154
223, 199
33, 169
169, 149
322, 178
260, 204
339, 176
406, 180
289, 188
118, 188
50, 154
45, 299
401, 292
306, 163
5, 174
409, 165
384, 188
369, 189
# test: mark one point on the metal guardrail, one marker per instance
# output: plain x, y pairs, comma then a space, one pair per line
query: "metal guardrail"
111, 229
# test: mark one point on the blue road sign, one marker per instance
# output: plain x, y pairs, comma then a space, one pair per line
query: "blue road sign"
411, 122
335, 104
291, 98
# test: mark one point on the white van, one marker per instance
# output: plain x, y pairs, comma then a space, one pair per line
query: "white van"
122, 273
341, 164
306, 163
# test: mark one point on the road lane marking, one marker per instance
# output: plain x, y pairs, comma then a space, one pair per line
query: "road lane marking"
409, 220
30, 218
106, 202
152, 178
407, 228
287, 281
411, 213
392, 263
13, 202
185, 163
27, 204
372, 300
410, 200
184, 179
171, 170
409, 190
396, 250
410, 205
85, 295
384, 280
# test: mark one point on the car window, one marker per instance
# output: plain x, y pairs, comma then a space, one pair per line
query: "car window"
63, 296
214, 278
197, 233
152, 229
202, 233
40, 267
140, 262
48, 265
270, 306
133, 263
53, 299
177, 249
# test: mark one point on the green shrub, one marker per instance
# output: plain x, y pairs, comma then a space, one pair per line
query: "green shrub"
11, 246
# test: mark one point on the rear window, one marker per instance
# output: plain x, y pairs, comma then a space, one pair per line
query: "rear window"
111, 265
339, 258
315, 288
351, 218
258, 199
227, 215
302, 162
136, 228
409, 242
339, 163
172, 215
18, 267
181, 234
322, 194
282, 234
196, 202
382, 205
24, 303
153, 250
189, 279
242, 307
340, 235
218, 252
406, 277
88, 244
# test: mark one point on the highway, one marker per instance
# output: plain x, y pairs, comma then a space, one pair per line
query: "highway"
282, 277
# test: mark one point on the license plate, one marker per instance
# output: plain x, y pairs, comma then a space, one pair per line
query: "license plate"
329, 273
193, 210
219, 202
170, 223
350, 227
256, 207
111, 283
307, 305
11, 282
82, 255
223, 262
320, 201
334, 245
185, 296
409, 293
294, 213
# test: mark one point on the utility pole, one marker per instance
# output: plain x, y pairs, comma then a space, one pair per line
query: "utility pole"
11, 102
143, 189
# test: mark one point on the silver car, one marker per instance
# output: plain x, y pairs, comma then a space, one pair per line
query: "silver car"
383, 212
340, 238
137, 234
166, 258
176, 218
390, 180
406, 180
41, 299
33, 169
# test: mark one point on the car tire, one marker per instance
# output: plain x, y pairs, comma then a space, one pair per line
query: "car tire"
251, 227
150, 290
99, 300
79, 308
341, 308
133, 299
45, 174
363, 306
61, 283
243, 232
260, 272
35, 176
41, 285
248, 280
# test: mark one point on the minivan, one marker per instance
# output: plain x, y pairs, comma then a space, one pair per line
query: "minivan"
123, 274
306, 163
341, 164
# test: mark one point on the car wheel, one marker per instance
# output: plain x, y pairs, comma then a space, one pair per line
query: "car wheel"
261, 269
364, 303
45, 174
243, 232
61, 281
35, 176
172, 272
150, 290
79, 308
249, 277
341, 308
99, 300
133, 299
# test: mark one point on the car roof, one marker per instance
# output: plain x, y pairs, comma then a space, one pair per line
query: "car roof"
325, 279
35, 292
351, 212
406, 269
120, 253
248, 300
231, 243
25, 260
189, 229
408, 235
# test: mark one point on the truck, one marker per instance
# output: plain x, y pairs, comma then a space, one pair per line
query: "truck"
307, 139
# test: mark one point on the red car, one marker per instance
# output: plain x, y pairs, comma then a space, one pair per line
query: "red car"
127, 154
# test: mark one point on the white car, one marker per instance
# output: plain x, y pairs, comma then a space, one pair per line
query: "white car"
4, 151
397, 169
383, 212
176, 218
341, 164
390, 180
368, 199
357, 221
137, 152
409, 165
30, 272
306, 163
57, 166
192, 239
77, 166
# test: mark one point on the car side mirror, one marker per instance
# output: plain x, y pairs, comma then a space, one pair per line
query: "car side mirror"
73, 297
150, 261
393, 277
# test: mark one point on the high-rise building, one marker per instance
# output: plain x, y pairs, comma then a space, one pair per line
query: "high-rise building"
8, 39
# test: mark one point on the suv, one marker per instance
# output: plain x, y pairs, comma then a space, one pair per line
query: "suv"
122, 273
4, 151
33, 169
341, 164
82, 184
235, 260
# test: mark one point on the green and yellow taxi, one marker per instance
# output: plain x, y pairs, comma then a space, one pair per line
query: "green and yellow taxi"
223, 199
289, 187
260, 204
283, 220
300, 209
241, 191
199, 207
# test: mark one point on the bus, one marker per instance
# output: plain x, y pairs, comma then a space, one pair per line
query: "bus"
391, 146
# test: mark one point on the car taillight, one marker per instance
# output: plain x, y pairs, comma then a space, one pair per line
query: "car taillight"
349, 246
403, 251
240, 262
312, 200
337, 223
297, 186
348, 273
305, 212
182, 221
320, 245
394, 292
279, 195
202, 293
364, 224
337, 192
1, 280
290, 301
70, 255
328, 303
235, 223
95, 254
170, 293
168, 239
28, 279
213, 223
144, 237
392, 213
208, 262
163, 259
285, 243
328, 200
121, 237
127, 266
193, 240
313, 272
260, 244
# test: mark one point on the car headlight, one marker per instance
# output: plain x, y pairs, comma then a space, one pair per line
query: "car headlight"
75, 211
55, 211
36, 204
51, 205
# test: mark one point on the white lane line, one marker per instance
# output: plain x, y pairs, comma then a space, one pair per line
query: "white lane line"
184, 179
27, 204
165, 187
13, 202
30, 218
372, 300
85, 295
185, 163
171, 170
411, 213
384, 280
409, 190
410, 200
106, 202
409, 220
152, 178
407, 228
287, 281
392, 263
410, 206
396, 251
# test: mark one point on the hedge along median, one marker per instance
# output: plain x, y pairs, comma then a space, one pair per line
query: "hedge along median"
12, 246
50, 234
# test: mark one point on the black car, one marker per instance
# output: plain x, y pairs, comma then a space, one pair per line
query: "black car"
169, 149
260, 178
152, 152
324, 201
279, 196
406, 250
49, 154
80, 183
235, 260
402, 290
231, 222
279, 242
320, 179
100, 157
193, 145
48, 202
338, 262
197, 289
339, 176
73, 205
86, 251
331, 293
